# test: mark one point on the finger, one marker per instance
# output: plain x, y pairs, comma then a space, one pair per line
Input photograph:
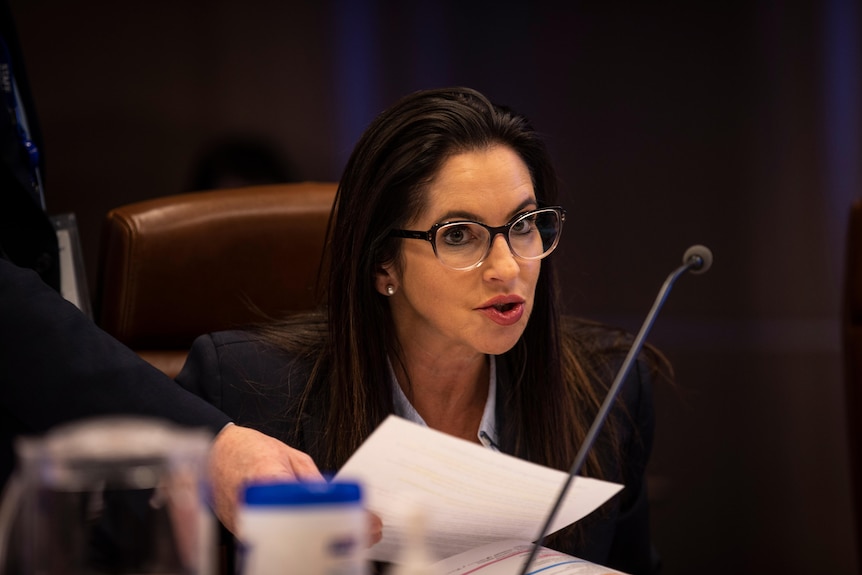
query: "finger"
304, 468
375, 529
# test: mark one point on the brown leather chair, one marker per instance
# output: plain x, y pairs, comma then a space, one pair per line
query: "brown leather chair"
853, 360
176, 267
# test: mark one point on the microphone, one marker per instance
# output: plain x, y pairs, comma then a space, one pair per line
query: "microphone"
697, 259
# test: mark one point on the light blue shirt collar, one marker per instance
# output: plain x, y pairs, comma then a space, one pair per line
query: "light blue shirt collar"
487, 427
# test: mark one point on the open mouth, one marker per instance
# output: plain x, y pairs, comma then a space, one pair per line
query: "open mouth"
504, 313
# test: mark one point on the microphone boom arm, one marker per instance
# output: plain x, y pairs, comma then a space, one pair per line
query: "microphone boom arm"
693, 261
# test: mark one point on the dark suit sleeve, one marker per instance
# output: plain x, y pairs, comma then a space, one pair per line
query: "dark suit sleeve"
57, 365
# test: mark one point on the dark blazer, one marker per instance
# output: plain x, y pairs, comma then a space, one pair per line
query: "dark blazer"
57, 366
258, 386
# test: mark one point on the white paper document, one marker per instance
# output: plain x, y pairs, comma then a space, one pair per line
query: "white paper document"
508, 557
470, 495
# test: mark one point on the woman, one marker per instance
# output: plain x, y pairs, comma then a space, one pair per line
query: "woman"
441, 307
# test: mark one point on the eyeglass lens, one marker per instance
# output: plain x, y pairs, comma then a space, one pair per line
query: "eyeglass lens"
532, 236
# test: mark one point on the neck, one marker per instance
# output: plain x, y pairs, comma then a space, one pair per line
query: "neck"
450, 396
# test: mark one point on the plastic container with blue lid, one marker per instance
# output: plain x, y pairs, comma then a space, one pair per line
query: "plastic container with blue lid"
300, 494
302, 528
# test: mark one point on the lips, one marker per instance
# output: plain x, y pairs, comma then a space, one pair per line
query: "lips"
503, 310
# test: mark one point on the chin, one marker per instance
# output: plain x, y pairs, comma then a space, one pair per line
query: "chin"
503, 345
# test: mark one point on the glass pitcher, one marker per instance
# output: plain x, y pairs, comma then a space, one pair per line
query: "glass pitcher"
114, 495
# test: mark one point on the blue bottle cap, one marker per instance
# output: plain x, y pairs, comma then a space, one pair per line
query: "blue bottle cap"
302, 493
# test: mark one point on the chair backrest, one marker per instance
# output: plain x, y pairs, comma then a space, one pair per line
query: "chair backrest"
176, 267
853, 359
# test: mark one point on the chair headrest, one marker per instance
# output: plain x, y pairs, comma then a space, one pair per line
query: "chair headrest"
176, 267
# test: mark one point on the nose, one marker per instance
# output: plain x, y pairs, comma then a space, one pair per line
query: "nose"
501, 263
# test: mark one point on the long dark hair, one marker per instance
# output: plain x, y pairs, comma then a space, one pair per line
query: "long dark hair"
549, 395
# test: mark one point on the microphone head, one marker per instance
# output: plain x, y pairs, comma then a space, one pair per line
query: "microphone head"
699, 258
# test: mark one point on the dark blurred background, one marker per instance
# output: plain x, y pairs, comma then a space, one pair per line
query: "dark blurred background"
731, 124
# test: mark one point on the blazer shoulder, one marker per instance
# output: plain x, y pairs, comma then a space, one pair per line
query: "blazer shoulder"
603, 349
255, 383
249, 379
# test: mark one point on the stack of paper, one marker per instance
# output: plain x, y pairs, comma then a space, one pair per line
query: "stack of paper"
472, 496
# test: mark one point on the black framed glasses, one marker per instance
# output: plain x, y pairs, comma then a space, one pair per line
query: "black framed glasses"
464, 245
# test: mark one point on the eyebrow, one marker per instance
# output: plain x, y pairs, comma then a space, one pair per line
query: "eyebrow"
455, 215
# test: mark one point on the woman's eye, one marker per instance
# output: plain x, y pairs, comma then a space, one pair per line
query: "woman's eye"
457, 235
524, 226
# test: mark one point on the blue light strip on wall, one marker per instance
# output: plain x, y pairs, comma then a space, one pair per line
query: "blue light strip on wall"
357, 75
841, 103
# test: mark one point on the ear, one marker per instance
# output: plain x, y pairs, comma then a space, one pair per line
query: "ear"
385, 277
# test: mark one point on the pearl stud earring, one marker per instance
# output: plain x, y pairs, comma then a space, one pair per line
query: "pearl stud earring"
390, 289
